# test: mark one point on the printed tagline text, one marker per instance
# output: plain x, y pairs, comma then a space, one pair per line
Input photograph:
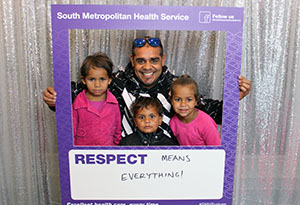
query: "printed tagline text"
112, 203
122, 16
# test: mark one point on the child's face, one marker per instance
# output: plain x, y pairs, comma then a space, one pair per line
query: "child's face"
147, 119
184, 102
96, 82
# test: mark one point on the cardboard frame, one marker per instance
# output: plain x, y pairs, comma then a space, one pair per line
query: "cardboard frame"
230, 20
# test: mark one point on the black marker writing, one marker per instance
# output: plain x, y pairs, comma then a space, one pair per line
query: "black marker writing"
151, 175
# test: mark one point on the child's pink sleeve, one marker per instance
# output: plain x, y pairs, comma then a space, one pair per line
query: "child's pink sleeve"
75, 121
117, 135
211, 133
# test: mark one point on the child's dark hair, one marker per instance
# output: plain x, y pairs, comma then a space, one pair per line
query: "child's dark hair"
145, 102
185, 80
97, 60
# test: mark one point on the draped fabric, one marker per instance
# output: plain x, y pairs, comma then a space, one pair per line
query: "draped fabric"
267, 160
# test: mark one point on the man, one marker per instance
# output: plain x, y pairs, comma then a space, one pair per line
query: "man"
147, 75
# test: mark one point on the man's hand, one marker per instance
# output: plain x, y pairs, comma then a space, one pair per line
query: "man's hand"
50, 97
244, 86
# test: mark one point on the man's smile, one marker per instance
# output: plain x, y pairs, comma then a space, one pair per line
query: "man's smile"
147, 73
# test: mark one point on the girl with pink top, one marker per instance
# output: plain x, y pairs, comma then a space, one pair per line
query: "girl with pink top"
96, 114
190, 125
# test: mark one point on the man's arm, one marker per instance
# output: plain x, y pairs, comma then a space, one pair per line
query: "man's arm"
244, 86
50, 94
214, 108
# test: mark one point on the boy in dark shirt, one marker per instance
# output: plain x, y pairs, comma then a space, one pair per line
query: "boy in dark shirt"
147, 113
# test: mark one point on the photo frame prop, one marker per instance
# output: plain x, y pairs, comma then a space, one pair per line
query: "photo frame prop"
146, 175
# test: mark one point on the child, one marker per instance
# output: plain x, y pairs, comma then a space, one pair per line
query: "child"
147, 113
190, 125
96, 114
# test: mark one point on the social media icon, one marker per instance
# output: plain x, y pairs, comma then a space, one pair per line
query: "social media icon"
204, 17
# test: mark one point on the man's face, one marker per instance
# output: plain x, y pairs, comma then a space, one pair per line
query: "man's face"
147, 64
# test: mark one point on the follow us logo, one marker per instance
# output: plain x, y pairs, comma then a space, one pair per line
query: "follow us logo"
204, 17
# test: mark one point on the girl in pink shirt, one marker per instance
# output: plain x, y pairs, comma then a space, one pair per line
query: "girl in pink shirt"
96, 114
190, 125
